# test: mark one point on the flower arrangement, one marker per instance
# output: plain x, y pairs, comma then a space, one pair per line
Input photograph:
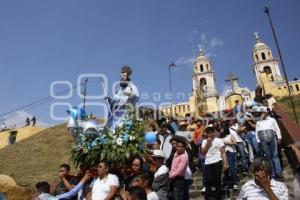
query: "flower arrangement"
114, 146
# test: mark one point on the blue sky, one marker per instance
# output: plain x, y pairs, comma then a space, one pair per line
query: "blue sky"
42, 41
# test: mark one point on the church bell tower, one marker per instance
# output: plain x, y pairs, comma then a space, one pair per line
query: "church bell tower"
265, 66
204, 86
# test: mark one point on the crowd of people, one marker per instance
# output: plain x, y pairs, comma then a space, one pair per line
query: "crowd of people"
246, 144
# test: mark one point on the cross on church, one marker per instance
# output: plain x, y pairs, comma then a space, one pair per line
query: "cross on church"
232, 78
256, 34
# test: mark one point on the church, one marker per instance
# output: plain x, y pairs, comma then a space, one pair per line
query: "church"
205, 98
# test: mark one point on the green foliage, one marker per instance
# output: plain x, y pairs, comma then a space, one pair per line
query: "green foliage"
114, 146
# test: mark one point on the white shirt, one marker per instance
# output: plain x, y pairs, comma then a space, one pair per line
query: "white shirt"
233, 131
188, 174
152, 196
161, 170
251, 191
186, 134
213, 154
267, 124
271, 101
228, 143
101, 187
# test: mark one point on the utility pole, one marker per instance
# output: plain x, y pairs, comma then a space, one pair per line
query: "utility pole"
85, 85
267, 11
170, 82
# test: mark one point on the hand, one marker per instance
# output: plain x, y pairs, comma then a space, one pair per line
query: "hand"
279, 141
109, 99
62, 175
86, 176
123, 194
292, 146
209, 140
262, 180
225, 167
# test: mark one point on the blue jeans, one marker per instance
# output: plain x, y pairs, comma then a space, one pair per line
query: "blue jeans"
240, 147
230, 178
186, 194
251, 139
270, 149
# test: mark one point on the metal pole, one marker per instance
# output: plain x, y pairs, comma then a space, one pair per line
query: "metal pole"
170, 82
267, 11
86, 80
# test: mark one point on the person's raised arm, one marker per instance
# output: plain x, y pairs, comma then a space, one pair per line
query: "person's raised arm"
75, 190
207, 145
67, 184
262, 180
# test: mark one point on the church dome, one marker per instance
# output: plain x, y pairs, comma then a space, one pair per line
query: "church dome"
259, 44
201, 56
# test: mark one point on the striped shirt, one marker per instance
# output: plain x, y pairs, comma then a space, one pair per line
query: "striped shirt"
251, 191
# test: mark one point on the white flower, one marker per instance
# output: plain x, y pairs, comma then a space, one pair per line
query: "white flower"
119, 141
131, 138
121, 123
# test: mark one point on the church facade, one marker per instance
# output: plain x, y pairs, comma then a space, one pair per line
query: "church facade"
205, 98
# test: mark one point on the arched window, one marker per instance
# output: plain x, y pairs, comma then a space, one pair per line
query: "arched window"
291, 88
256, 56
207, 67
269, 54
203, 83
201, 68
267, 70
263, 56
279, 88
297, 87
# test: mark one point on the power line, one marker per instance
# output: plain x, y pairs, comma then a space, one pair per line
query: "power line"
37, 103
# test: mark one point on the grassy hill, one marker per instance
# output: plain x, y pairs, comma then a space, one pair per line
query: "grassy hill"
286, 105
38, 157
